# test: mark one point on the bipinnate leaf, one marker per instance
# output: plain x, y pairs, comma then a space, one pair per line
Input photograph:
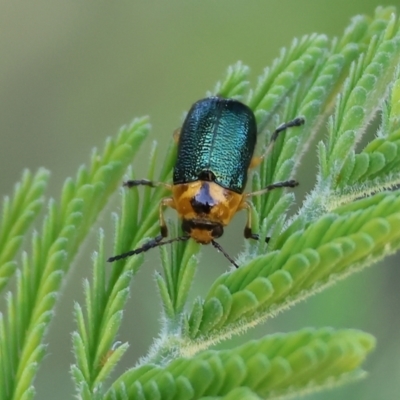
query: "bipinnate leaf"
64, 228
17, 215
352, 238
276, 365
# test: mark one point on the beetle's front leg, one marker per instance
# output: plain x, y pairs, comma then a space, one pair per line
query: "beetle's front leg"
248, 234
166, 202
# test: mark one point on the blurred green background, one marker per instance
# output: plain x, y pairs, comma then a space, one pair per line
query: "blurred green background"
71, 73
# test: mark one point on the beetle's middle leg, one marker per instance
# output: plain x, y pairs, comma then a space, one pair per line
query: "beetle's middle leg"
257, 160
145, 182
290, 183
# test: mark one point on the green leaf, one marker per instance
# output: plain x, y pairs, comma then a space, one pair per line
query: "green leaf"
17, 215
264, 367
53, 250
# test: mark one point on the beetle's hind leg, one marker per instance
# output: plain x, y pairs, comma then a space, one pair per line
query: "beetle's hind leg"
298, 121
257, 160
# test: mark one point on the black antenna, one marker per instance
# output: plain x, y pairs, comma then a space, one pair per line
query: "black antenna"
219, 248
147, 246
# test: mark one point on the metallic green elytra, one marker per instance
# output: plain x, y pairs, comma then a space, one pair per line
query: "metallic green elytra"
216, 143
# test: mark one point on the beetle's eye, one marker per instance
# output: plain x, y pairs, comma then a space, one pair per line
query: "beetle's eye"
217, 231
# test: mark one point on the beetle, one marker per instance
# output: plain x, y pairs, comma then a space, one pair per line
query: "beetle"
216, 147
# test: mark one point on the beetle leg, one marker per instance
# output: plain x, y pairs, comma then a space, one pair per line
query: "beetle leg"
290, 183
145, 182
248, 234
256, 160
166, 202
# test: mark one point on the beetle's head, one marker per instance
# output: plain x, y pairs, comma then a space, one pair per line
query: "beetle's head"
202, 231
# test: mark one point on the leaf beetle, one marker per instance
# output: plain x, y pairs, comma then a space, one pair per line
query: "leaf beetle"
216, 147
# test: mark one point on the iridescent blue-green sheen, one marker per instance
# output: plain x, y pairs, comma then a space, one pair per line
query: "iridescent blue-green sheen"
216, 142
